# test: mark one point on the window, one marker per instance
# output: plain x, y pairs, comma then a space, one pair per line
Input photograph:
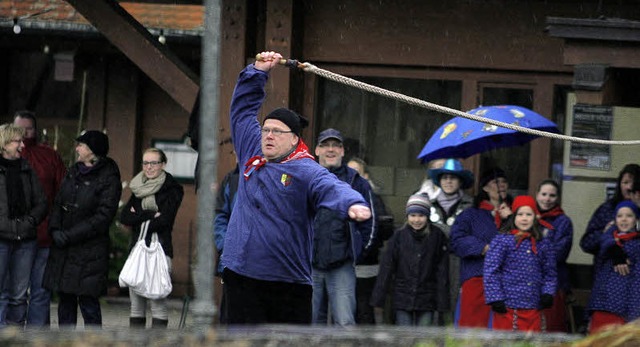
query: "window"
381, 130
513, 160
386, 133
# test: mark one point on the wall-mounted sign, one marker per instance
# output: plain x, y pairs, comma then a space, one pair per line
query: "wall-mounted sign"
592, 122
181, 158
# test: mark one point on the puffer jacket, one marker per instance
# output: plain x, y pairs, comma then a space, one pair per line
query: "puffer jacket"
518, 275
24, 227
611, 291
83, 211
415, 270
168, 199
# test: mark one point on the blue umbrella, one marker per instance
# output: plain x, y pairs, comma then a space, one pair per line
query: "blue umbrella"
461, 137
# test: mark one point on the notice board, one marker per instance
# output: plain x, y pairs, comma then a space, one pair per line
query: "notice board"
592, 122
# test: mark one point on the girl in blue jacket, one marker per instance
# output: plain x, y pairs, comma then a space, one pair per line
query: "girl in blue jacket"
615, 299
520, 271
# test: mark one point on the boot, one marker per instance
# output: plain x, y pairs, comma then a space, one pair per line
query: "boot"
137, 322
159, 323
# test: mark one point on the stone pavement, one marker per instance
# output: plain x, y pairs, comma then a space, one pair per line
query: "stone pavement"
115, 313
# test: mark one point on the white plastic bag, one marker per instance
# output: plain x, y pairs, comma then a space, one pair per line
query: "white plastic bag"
146, 271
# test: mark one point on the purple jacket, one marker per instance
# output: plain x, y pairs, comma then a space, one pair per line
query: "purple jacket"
269, 236
473, 229
612, 292
517, 275
561, 238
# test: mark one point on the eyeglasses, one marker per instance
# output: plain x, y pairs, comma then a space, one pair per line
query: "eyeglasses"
275, 132
152, 163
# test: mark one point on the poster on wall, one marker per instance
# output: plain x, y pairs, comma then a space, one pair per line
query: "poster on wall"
592, 122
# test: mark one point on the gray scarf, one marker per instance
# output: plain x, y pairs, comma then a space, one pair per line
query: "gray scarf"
448, 200
145, 189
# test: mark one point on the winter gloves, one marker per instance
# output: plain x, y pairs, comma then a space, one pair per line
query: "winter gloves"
617, 255
498, 307
546, 301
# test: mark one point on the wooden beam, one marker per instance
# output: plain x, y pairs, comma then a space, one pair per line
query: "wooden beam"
132, 39
233, 47
622, 55
278, 33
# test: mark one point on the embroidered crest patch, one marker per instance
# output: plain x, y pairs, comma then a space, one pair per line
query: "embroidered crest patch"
285, 180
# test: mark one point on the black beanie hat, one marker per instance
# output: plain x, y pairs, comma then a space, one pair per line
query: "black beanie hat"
489, 175
97, 142
293, 120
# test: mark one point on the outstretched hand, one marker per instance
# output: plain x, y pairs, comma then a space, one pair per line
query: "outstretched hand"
267, 61
359, 213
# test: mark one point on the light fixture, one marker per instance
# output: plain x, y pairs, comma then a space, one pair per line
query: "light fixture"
16, 27
162, 39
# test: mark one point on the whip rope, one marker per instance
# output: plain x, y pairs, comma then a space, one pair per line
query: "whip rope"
307, 67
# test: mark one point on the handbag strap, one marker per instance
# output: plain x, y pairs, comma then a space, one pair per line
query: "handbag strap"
143, 230
154, 237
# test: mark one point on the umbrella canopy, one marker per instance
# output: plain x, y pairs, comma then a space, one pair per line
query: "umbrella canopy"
461, 137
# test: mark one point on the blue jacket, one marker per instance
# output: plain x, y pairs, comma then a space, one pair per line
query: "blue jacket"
591, 240
612, 292
336, 240
270, 233
473, 229
561, 238
225, 201
517, 275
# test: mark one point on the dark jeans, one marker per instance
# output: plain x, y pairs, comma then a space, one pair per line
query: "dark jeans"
68, 310
39, 297
364, 311
16, 260
251, 301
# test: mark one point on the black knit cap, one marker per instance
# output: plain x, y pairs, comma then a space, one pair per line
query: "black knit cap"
491, 174
97, 142
293, 120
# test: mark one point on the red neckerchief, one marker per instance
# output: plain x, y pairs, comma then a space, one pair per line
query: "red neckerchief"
256, 162
554, 212
620, 237
521, 235
486, 205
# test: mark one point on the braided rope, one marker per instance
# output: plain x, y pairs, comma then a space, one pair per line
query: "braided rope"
307, 67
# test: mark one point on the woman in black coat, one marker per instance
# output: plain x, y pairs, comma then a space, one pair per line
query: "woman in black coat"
83, 210
156, 197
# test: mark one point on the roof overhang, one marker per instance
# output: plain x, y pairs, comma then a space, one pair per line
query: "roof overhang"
605, 29
61, 28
